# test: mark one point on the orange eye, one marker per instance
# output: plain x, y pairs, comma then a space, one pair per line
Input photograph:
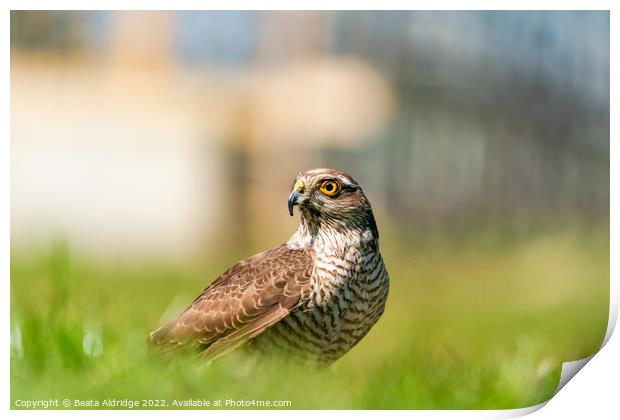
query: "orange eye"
329, 188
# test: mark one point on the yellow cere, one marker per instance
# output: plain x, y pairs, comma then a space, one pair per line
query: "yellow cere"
299, 186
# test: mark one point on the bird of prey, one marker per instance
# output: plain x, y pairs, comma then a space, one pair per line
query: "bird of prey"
312, 298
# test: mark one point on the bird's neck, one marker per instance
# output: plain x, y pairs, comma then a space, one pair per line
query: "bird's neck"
332, 238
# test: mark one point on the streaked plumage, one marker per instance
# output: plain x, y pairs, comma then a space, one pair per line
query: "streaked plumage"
312, 298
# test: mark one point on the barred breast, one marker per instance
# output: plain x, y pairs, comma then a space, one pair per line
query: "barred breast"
349, 289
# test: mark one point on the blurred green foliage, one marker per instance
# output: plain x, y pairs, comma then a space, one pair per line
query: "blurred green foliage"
474, 323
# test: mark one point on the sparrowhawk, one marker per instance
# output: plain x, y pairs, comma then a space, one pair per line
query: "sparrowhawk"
312, 298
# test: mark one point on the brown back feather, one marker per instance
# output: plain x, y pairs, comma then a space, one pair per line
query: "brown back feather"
241, 303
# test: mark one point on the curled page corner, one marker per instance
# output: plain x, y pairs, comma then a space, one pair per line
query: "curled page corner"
570, 369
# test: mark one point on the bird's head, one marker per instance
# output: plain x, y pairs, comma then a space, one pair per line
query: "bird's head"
330, 197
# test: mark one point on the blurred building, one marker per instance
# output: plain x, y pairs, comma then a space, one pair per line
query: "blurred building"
170, 131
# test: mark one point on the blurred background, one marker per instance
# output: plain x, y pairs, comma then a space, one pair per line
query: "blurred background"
151, 150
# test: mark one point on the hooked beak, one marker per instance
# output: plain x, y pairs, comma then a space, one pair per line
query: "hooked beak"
297, 196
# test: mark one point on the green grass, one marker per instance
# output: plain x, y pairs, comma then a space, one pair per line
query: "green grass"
469, 324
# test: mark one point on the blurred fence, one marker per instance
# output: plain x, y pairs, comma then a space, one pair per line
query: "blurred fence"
169, 129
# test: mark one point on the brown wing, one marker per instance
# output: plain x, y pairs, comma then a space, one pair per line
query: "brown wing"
241, 303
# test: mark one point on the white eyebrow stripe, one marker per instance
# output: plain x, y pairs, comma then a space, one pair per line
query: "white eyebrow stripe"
345, 181
318, 171
321, 174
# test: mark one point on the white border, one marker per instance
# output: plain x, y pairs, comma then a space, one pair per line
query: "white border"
593, 393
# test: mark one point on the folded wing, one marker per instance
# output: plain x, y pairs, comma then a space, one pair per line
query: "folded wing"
241, 303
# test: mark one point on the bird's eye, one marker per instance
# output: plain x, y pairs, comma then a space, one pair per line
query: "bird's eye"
329, 188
